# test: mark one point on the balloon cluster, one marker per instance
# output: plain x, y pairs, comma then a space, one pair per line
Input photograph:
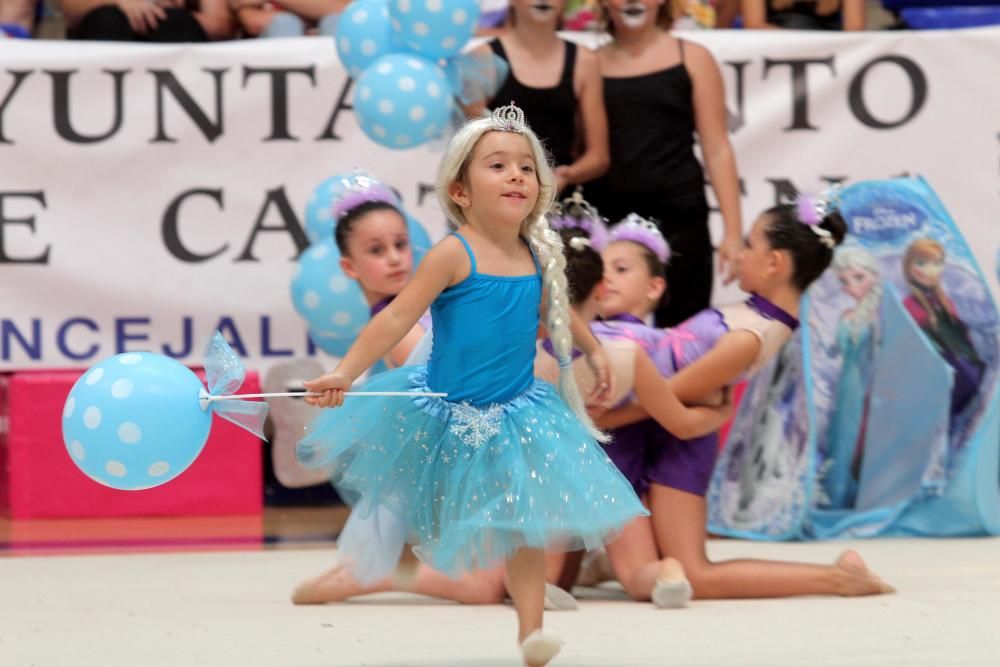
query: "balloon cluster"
332, 304
399, 53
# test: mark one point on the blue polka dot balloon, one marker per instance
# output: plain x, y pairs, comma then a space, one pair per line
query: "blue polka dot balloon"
364, 34
420, 241
331, 303
319, 210
134, 421
434, 28
403, 101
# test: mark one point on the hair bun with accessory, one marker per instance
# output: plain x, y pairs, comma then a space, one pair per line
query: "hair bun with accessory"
645, 232
575, 212
811, 210
360, 187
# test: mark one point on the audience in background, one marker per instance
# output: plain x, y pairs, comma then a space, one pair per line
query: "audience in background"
142, 21
290, 18
804, 14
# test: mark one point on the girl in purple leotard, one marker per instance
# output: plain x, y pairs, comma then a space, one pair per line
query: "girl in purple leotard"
788, 247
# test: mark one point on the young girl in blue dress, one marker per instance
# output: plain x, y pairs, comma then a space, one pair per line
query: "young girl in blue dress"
505, 466
358, 572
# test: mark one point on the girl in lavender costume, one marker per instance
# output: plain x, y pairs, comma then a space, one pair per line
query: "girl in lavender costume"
374, 242
787, 249
372, 236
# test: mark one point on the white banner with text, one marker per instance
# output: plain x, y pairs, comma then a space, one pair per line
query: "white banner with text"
150, 195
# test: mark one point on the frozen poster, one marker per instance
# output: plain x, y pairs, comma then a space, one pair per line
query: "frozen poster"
894, 430
927, 261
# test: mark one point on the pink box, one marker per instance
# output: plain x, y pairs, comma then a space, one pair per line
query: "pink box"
39, 480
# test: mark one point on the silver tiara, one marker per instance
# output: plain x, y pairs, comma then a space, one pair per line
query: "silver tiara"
509, 119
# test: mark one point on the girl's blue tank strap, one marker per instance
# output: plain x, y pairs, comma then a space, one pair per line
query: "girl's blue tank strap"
468, 249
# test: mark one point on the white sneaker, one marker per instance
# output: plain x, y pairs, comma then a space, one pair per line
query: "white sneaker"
556, 599
540, 647
671, 594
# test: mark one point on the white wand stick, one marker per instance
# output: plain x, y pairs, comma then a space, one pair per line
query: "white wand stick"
232, 397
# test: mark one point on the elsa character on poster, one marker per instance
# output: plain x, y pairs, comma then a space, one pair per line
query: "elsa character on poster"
856, 340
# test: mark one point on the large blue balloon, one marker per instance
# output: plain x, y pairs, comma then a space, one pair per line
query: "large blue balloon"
319, 210
420, 241
331, 303
402, 101
434, 28
134, 421
364, 34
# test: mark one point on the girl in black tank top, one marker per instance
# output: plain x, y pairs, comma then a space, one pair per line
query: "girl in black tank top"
547, 109
569, 116
804, 14
660, 93
652, 135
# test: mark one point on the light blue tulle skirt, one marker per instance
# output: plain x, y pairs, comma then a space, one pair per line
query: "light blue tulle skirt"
472, 485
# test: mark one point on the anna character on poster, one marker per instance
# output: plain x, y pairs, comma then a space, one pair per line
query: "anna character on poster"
934, 312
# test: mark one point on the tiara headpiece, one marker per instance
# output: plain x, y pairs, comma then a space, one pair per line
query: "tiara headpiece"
811, 209
509, 118
575, 212
360, 187
645, 232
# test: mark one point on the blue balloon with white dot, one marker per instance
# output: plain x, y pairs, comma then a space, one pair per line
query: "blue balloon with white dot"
434, 28
134, 421
403, 101
420, 240
332, 304
364, 35
319, 209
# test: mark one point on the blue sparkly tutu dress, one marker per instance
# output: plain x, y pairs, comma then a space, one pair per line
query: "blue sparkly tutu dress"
502, 463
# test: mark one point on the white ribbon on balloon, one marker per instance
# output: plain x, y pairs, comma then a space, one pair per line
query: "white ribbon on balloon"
224, 374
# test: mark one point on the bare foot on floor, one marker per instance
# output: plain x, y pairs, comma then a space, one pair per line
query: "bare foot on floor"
857, 579
333, 585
